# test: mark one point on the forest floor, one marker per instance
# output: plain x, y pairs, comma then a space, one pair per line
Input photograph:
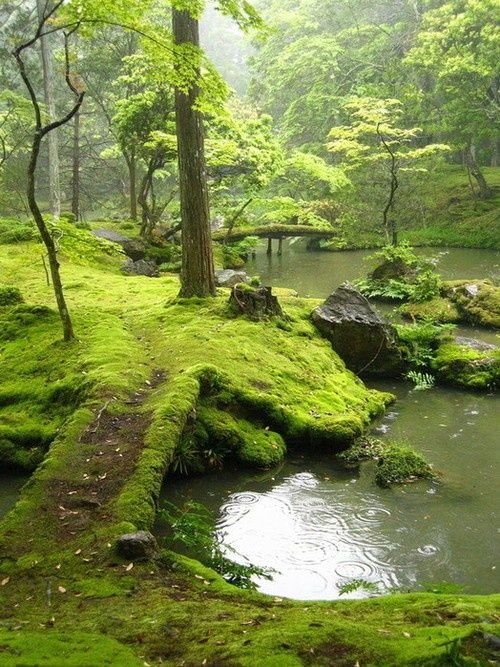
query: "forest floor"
114, 404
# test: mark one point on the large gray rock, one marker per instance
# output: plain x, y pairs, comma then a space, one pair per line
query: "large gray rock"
230, 278
366, 342
140, 268
474, 343
137, 546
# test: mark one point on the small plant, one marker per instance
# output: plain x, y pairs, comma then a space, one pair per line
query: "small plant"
421, 380
358, 584
192, 526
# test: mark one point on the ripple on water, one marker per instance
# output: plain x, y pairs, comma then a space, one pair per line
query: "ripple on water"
355, 570
373, 515
303, 480
313, 551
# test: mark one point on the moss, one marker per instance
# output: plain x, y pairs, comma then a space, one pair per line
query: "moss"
363, 449
399, 464
73, 649
478, 302
438, 309
465, 367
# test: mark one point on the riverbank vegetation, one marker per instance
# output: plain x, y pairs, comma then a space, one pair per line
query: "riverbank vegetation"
116, 133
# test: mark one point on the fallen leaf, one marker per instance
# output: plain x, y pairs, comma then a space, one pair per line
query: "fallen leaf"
406, 634
5, 581
61, 589
129, 567
77, 552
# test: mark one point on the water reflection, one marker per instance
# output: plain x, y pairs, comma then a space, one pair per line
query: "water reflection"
319, 536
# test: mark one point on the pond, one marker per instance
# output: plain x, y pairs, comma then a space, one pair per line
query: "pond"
321, 526
317, 274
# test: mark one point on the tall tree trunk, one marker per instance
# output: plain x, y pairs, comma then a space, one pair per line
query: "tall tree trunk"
49, 95
75, 185
476, 173
47, 240
197, 273
132, 183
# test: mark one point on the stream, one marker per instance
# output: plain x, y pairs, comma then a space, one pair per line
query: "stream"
320, 526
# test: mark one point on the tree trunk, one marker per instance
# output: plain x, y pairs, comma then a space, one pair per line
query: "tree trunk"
269, 250
75, 185
132, 182
476, 173
49, 95
47, 240
197, 273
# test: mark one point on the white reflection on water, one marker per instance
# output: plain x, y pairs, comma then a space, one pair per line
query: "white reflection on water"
318, 536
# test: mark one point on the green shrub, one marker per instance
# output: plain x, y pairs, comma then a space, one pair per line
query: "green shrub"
10, 296
13, 230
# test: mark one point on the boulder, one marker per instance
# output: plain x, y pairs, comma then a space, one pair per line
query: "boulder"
137, 546
230, 278
366, 342
133, 248
140, 268
395, 269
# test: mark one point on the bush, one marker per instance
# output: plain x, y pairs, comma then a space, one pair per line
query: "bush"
10, 296
16, 231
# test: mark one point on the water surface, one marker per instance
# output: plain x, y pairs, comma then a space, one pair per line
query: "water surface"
317, 274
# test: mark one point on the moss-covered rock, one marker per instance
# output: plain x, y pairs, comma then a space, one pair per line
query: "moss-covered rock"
399, 464
438, 309
463, 366
477, 301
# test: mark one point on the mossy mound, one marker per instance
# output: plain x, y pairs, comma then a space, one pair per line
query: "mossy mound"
400, 464
462, 366
438, 309
472, 302
39, 388
477, 301
396, 463
10, 296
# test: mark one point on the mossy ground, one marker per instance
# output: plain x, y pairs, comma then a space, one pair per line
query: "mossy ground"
65, 598
453, 217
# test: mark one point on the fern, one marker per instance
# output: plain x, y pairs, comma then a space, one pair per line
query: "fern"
421, 381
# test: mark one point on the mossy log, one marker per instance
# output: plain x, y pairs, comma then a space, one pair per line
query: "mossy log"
272, 232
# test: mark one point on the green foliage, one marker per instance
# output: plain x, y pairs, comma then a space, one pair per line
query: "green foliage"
421, 380
13, 230
422, 341
358, 584
10, 296
459, 44
192, 526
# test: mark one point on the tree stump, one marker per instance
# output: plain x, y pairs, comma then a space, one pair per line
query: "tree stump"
257, 303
